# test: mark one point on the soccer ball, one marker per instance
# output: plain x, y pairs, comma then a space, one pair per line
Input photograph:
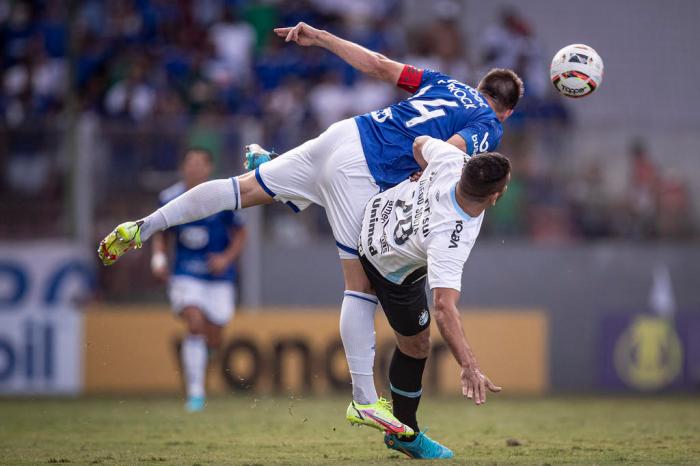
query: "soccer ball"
576, 71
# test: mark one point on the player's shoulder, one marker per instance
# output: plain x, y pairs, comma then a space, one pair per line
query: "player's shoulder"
453, 218
171, 192
439, 77
492, 123
440, 152
430, 74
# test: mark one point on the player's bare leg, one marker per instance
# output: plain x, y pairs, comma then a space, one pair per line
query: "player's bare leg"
214, 334
252, 193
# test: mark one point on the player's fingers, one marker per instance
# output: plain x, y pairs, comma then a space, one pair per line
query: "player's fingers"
470, 391
296, 31
482, 391
282, 32
492, 386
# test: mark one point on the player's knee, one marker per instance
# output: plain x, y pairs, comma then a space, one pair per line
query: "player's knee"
251, 191
422, 347
194, 319
416, 346
355, 277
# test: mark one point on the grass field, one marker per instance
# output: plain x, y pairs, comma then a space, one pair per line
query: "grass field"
244, 430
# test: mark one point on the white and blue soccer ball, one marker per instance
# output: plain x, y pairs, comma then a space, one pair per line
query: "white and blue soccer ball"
576, 71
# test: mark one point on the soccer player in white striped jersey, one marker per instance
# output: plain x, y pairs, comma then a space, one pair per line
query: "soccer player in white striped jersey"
427, 229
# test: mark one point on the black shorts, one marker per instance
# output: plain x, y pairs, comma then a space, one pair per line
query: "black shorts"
405, 305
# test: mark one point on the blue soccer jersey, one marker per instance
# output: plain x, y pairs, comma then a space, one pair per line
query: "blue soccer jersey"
440, 107
196, 241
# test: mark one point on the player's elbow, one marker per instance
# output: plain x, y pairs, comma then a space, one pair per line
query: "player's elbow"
418, 144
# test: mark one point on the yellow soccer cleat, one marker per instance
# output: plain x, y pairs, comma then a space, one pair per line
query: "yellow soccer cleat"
377, 415
126, 236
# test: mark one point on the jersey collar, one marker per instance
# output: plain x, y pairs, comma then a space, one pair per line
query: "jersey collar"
455, 204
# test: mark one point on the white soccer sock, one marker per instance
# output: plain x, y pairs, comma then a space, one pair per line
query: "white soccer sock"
194, 363
357, 333
199, 202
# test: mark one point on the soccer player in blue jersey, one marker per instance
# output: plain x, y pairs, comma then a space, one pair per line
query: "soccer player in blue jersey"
201, 278
341, 170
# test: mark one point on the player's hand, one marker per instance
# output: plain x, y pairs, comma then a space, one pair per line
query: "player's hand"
302, 34
218, 263
474, 385
416, 176
161, 273
159, 267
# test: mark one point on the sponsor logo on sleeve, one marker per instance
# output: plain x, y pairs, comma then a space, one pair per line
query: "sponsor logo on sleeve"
479, 147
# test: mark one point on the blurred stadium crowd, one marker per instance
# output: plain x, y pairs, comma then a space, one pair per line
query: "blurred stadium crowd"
157, 75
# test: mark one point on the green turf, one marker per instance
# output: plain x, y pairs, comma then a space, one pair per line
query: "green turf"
243, 430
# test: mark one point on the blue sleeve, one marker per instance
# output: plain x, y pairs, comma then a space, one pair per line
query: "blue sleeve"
412, 78
481, 137
430, 76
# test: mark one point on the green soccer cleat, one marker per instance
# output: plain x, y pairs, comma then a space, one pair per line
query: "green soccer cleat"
422, 447
377, 415
126, 236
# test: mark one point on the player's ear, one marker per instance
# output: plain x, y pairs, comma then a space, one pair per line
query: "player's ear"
493, 198
496, 196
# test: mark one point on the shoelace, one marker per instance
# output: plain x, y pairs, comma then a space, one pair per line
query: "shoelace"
384, 403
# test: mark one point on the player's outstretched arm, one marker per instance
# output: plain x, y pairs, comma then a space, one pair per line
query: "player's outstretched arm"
474, 383
371, 63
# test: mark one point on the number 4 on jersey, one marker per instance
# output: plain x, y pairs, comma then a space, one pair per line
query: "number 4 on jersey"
422, 107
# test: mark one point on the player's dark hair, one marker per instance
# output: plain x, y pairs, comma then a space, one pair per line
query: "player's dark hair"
503, 86
484, 175
200, 150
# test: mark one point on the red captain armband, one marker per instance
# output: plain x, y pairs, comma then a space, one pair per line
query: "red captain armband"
410, 79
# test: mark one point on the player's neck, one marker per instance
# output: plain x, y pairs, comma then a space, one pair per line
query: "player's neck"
500, 115
471, 208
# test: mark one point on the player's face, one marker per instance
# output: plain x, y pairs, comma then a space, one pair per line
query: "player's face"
196, 168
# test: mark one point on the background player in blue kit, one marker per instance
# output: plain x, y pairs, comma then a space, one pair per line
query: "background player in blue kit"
201, 279
341, 170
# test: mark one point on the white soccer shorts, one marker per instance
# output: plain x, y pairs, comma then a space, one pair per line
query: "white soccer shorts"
214, 298
330, 171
